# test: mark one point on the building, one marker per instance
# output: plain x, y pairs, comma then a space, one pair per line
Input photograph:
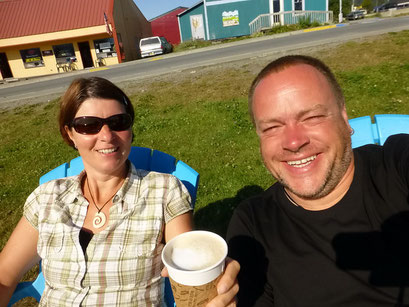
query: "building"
45, 37
218, 19
167, 25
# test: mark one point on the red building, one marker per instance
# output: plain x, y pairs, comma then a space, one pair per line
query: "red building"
167, 25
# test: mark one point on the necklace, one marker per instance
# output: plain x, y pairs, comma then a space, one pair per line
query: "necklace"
99, 218
290, 199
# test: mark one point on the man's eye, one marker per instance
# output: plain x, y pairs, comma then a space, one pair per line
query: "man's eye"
315, 118
270, 128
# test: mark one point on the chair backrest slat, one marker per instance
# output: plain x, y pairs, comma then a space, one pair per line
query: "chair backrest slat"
363, 132
385, 125
141, 157
389, 124
162, 162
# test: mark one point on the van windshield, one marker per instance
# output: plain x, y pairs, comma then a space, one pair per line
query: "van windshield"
149, 41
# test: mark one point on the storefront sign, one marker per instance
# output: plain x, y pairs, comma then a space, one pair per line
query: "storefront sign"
29, 60
230, 18
47, 52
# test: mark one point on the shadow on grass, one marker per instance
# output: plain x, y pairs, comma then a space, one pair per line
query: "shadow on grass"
216, 216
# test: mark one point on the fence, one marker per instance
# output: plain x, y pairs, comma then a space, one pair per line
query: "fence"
267, 21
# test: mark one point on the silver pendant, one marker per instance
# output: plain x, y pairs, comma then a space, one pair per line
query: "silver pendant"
99, 220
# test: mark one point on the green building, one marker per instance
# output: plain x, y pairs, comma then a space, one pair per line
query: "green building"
217, 19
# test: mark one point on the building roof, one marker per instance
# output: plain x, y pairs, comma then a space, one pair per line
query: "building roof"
29, 17
175, 9
191, 8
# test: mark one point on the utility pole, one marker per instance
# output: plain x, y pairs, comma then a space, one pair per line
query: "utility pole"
340, 11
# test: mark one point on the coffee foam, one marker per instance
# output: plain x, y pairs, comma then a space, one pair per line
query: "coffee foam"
197, 252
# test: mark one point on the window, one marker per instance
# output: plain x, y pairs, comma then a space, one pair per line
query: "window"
64, 53
32, 57
298, 5
105, 48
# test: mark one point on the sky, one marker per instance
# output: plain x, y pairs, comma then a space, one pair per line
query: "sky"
153, 8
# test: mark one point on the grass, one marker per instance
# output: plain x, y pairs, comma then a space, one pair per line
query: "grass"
201, 118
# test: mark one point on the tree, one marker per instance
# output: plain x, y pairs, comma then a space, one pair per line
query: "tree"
333, 6
367, 5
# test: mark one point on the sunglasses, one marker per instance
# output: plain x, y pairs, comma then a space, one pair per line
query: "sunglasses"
93, 125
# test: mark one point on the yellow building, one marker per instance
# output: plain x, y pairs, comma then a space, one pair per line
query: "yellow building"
45, 37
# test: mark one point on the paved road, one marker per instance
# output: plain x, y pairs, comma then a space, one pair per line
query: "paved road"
241, 50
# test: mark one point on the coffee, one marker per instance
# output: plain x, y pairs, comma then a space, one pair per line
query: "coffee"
197, 252
195, 261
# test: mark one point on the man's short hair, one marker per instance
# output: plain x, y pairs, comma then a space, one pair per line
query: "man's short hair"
292, 60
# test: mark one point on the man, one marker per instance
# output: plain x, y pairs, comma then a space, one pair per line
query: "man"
333, 230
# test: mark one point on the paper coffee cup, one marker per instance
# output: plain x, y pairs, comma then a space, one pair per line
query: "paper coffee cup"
195, 261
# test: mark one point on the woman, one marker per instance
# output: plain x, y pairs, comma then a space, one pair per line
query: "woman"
100, 234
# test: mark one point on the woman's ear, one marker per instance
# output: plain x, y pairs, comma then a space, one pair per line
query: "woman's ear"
69, 133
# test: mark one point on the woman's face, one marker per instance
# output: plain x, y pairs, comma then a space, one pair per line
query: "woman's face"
105, 152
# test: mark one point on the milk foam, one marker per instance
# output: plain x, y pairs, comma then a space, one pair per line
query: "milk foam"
197, 252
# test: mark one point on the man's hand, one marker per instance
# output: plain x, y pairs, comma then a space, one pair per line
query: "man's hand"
228, 286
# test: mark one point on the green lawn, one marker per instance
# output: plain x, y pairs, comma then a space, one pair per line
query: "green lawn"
201, 119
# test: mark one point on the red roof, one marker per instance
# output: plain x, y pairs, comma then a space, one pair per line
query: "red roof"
167, 25
29, 17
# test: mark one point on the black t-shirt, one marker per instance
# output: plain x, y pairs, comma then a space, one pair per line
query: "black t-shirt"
355, 253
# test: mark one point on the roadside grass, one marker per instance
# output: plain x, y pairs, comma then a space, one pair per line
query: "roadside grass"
201, 118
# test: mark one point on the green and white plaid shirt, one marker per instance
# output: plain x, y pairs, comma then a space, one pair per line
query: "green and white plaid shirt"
122, 264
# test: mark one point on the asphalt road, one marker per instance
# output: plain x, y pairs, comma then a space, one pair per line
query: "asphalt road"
242, 50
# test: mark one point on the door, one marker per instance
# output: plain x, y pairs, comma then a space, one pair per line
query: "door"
85, 54
197, 26
4, 66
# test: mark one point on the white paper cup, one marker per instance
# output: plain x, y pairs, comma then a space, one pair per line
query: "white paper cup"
194, 284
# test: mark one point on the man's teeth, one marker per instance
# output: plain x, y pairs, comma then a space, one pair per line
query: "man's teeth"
303, 162
107, 151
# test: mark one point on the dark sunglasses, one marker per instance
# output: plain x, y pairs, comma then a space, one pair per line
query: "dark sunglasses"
93, 125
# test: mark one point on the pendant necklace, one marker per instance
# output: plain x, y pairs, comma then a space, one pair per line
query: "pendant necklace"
99, 218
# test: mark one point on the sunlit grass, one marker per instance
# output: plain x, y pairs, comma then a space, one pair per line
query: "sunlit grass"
201, 118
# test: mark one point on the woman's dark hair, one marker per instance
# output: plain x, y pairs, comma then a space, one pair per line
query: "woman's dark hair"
82, 89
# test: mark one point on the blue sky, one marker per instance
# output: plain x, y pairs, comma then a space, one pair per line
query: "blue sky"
153, 8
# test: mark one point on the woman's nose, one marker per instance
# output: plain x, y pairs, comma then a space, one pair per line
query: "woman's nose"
105, 133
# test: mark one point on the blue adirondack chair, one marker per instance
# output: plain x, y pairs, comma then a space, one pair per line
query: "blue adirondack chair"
384, 125
142, 158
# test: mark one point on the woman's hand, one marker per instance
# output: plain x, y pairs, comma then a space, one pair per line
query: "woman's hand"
228, 286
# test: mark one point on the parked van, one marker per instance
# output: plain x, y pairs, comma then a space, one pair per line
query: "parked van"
154, 45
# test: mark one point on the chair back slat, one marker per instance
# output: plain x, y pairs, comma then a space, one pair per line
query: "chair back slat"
141, 157
162, 162
75, 167
389, 124
363, 132
58, 172
385, 125
189, 177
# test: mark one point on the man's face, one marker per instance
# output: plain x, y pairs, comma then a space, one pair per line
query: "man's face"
304, 134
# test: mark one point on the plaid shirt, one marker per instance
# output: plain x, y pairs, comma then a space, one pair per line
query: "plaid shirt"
122, 264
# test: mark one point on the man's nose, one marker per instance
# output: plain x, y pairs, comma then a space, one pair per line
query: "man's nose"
294, 138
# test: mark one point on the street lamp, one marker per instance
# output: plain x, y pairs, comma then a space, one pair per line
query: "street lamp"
340, 11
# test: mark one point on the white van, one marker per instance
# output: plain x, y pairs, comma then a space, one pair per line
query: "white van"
154, 45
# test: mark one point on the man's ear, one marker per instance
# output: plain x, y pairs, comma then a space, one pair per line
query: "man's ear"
345, 117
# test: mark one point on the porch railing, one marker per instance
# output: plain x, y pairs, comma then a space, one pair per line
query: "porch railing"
267, 21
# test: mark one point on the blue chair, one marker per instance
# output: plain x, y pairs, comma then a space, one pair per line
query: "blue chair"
142, 158
384, 125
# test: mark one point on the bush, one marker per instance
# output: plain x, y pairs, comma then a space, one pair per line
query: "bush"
304, 22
